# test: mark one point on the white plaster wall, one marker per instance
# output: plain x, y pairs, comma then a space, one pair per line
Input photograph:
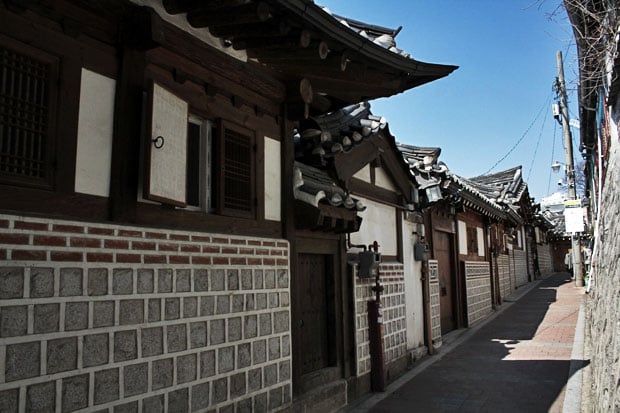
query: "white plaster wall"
379, 223
363, 174
414, 302
95, 128
480, 237
273, 180
383, 180
462, 233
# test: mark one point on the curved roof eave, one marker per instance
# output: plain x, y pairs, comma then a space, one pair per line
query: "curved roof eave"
326, 23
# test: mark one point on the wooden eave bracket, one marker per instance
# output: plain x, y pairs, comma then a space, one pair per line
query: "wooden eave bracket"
144, 29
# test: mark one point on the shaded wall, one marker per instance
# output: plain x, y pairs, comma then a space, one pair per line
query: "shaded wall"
95, 316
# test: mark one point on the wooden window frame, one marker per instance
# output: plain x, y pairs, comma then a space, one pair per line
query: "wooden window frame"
49, 144
472, 240
221, 176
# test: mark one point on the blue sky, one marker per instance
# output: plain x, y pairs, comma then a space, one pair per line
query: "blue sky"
506, 53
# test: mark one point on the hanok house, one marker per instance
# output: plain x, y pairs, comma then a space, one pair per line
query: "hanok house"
543, 226
516, 247
458, 220
356, 150
151, 255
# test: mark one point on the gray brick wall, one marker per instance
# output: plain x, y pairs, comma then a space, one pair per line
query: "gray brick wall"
143, 320
394, 323
545, 258
478, 291
435, 299
519, 274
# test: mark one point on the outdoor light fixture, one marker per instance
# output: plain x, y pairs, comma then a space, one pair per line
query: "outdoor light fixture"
555, 167
433, 193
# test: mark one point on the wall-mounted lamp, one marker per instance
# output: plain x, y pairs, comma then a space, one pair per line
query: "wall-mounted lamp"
433, 193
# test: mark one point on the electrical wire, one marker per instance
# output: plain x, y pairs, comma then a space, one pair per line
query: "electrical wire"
522, 136
542, 128
555, 127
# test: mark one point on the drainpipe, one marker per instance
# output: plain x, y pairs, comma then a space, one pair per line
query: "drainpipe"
426, 297
375, 333
375, 322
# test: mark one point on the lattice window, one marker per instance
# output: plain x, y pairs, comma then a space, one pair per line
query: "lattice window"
237, 176
472, 240
26, 89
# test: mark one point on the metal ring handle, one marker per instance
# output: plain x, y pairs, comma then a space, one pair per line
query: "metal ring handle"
158, 142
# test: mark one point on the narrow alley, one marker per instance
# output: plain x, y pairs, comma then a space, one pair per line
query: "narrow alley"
519, 360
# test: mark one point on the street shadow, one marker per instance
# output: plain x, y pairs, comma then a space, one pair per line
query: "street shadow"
518, 362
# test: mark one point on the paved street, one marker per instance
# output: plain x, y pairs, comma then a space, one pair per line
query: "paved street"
517, 362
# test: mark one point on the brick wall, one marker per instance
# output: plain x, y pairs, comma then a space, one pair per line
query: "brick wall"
433, 283
394, 325
478, 287
519, 274
503, 270
545, 260
97, 316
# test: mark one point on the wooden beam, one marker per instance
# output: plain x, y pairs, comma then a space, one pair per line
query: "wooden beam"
252, 29
246, 13
317, 50
270, 42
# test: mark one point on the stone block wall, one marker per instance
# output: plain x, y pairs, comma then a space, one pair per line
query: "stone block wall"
603, 301
478, 287
503, 271
520, 267
433, 286
545, 260
394, 325
106, 317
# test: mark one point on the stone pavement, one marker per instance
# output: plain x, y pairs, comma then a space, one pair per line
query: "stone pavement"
517, 361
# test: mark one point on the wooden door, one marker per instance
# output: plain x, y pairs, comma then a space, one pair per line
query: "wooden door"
313, 312
447, 285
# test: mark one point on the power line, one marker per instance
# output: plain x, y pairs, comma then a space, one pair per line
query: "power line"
555, 126
542, 128
522, 136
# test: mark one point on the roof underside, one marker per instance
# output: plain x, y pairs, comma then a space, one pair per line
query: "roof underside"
296, 39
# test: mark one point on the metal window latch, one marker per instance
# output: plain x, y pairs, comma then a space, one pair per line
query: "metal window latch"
158, 142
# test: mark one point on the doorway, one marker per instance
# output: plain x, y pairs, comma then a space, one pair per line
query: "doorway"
443, 249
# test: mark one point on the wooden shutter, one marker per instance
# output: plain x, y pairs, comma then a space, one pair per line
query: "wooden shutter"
27, 113
167, 148
237, 187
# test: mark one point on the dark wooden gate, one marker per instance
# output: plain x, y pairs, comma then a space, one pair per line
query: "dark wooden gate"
313, 322
447, 285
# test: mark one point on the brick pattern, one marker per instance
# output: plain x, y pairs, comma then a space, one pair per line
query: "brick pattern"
96, 317
519, 274
545, 259
503, 271
394, 323
478, 287
433, 284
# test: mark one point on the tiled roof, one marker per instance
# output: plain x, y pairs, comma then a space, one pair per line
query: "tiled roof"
322, 137
314, 186
383, 36
474, 198
505, 187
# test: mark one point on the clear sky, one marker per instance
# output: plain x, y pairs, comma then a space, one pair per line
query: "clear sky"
502, 91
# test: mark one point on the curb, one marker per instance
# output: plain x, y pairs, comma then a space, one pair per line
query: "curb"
572, 397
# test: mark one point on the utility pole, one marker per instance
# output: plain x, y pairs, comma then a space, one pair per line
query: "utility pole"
570, 167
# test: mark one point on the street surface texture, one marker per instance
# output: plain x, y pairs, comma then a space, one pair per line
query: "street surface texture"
517, 362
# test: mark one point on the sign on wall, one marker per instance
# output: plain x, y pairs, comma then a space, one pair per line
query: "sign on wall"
573, 216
